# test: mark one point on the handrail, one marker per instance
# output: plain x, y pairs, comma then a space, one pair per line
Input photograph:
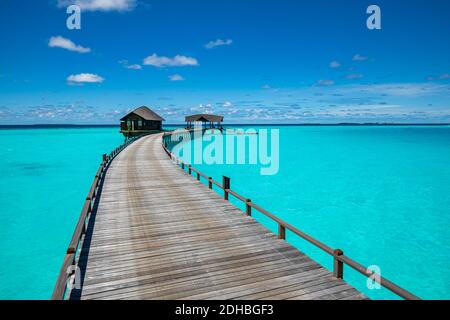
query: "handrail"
338, 255
64, 281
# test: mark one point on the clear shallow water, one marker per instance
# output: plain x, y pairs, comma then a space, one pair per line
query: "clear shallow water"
380, 193
45, 176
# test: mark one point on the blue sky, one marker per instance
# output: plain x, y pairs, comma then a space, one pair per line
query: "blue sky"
253, 61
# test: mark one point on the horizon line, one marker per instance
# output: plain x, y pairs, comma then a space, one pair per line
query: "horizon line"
3, 126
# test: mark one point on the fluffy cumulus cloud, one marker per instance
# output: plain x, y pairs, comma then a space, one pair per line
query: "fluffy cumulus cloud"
100, 5
85, 78
64, 43
218, 43
176, 77
334, 64
358, 57
177, 61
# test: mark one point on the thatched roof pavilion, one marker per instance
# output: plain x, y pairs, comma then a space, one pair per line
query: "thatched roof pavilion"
206, 120
140, 121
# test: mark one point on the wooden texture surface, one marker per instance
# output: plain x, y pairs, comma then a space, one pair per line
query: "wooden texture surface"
158, 233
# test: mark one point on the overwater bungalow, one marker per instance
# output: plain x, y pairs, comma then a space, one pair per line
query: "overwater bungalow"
140, 121
206, 121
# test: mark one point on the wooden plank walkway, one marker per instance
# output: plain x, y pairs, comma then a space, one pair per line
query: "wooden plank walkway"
157, 233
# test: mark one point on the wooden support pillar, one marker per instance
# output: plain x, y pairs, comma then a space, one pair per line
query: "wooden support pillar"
281, 231
248, 208
338, 266
210, 182
226, 186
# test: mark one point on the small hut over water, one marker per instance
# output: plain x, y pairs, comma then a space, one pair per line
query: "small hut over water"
140, 121
207, 121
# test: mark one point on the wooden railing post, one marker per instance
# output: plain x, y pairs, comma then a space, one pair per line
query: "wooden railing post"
248, 207
226, 186
338, 266
210, 182
198, 176
182, 165
189, 169
105, 157
281, 231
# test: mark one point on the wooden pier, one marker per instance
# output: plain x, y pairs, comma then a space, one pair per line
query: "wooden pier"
150, 230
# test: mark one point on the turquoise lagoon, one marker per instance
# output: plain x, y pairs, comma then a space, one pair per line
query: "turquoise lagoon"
380, 193
45, 175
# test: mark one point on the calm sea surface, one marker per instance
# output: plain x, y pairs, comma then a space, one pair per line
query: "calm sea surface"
382, 194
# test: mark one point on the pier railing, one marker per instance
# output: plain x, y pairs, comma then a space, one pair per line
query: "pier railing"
339, 259
67, 274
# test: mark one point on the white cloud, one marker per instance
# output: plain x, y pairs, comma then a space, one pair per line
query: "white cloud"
227, 104
444, 76
134, 66
85, 78
203, 108
399, 89
358, 57
61, 42
130, 66
176, 77
100, 5
354, 76
218, 43
266, 87
334, 64
177, 61
325, 82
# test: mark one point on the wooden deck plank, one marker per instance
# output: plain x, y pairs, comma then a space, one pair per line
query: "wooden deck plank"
158, 233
